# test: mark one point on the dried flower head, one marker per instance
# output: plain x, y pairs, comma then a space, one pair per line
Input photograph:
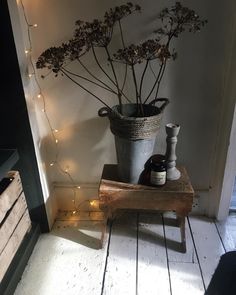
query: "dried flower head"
116, 14
129, 55
99, 33
75, 48
95, 33
52, 58
178, 19
152, 49
148, 50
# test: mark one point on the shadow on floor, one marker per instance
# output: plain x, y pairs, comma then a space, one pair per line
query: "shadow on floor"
89, 233
126, 226
86, 233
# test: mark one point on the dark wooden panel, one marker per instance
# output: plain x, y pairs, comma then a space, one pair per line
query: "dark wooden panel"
8, 159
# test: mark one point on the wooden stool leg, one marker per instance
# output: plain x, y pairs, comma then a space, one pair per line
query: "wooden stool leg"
181, 220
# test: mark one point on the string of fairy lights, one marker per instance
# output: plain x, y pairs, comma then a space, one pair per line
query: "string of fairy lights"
53, 131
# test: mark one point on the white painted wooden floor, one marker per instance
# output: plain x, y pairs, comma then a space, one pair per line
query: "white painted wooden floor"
140, 257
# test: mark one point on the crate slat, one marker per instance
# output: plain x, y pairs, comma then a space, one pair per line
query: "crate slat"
8, 226
10, 194
13, 244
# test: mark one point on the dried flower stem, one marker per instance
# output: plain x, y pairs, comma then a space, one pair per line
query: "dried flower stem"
155, 83
116, 80
125, 77
138, 99
84, 88
135, 83
107, 86
99, 65
121, 34
93, 76
88, 80
159, 82
142, 77
126, 66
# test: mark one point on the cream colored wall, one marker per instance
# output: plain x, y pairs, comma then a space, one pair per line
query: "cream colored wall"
193, 83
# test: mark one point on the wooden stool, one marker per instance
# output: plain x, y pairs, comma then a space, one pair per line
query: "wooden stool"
175, 195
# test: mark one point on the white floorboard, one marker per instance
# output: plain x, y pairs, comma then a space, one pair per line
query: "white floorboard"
153, 277
227, 230
185, 278
185, 275
208, 245
173, 239
120, 276
134, 260
66, 261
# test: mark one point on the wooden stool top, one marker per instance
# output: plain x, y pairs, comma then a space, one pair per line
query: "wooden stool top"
175, 195
110, 179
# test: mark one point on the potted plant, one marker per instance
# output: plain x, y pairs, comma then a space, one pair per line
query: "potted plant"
134, 120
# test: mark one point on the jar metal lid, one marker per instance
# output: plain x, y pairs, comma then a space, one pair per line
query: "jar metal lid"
155, 159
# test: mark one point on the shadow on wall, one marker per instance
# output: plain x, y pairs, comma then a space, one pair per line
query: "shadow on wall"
86, 147
195, 87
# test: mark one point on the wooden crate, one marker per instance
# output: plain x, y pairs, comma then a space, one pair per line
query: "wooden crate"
10, 194
14, 220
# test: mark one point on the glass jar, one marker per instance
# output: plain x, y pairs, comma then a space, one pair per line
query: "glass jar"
158, 170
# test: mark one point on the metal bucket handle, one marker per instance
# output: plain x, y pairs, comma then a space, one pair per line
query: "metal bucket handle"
104, 112
163, 106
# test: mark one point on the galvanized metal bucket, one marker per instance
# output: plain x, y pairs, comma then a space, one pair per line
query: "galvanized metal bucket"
134, 136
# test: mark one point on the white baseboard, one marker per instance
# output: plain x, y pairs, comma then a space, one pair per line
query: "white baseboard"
89, 191
201, 202
65, 194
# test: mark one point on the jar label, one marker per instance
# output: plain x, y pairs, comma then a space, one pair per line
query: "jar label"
158, 178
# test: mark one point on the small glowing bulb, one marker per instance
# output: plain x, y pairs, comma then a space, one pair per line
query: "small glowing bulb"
66, 170
27, 51
56, 141
92, 203
43, 110
51, 164
73, 201
11, 179
55, 130
39, 95
35, 25
74, 212
78, 187
30, 75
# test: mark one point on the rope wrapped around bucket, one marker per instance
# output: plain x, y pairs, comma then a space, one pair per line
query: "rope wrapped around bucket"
135, 128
